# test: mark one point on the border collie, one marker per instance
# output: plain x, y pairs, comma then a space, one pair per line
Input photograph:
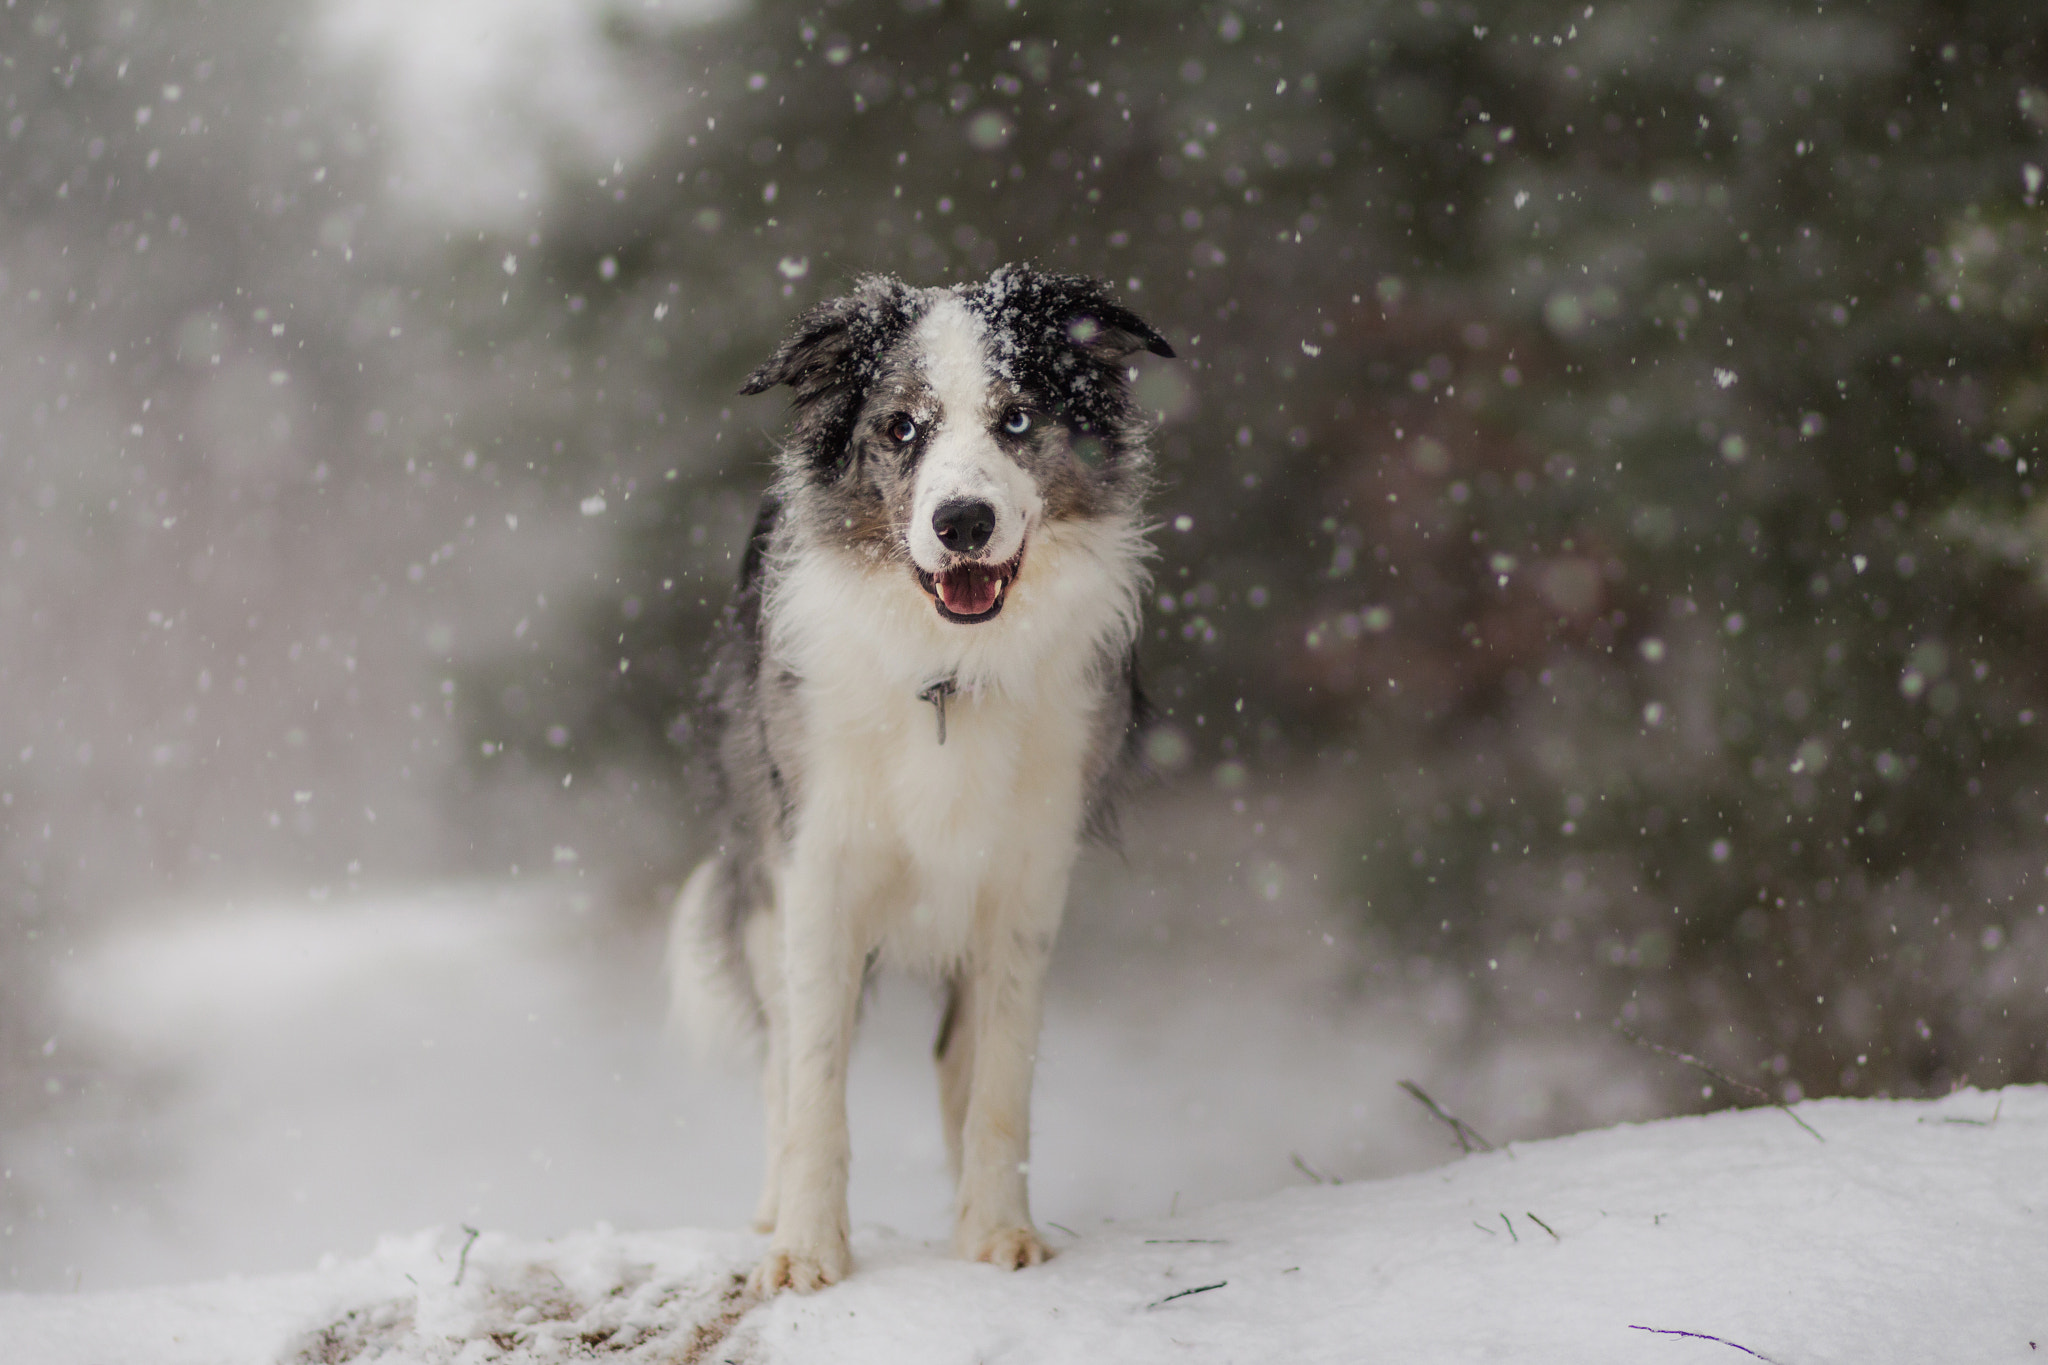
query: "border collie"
923, 696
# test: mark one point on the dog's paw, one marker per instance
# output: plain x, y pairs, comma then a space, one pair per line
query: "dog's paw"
804, 1270
1012, 1248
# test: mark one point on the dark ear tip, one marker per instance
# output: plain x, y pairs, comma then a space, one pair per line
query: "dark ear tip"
757, 382
1157, 346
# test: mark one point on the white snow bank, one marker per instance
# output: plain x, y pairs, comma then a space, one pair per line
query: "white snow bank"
1913, 1232
272, 1081
250, 1086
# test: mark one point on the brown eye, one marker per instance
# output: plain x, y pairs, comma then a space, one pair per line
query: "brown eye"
1016, 421
903, 431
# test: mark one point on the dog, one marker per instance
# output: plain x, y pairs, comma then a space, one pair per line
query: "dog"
923, 696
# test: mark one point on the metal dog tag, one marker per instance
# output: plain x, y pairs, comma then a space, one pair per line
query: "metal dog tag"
936, 694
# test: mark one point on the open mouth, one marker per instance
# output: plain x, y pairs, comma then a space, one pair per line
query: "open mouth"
970, 592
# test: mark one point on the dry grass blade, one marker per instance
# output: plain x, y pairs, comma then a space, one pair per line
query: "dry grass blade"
1708, 1068
1311, 1172
462, 1262
1702, 1336
1198, 1289
1468, 1137
1996, 1110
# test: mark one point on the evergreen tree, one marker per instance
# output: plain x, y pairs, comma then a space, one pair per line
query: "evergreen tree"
1606, 443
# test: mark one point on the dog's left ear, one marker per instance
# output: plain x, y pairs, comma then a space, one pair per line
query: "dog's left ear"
1106, 328
1078, 310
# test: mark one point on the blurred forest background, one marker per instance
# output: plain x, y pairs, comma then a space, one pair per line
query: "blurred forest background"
1604, 453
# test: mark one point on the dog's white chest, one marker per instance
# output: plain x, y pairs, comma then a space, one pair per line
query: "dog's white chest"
947, 828
934, 837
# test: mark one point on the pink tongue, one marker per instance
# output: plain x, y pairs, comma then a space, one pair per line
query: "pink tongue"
968, 591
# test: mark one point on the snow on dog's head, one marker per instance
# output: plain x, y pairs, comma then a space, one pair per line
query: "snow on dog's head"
940, 430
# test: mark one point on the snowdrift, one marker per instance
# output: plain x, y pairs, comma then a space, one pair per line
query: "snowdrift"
1902, 1232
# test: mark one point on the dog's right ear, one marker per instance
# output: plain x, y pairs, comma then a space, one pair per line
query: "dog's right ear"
836, 340
829, 358
815, 348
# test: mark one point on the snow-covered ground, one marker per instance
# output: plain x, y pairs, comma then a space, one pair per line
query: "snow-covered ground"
285, 1085
273, 1081
1903, 1232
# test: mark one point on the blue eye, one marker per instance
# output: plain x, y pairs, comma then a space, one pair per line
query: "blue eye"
903, 431
1016, 421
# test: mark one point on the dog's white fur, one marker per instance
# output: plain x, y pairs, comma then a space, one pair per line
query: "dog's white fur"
936, 856
949, 860
961, 461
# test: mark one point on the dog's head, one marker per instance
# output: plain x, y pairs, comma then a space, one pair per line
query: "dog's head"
939, 429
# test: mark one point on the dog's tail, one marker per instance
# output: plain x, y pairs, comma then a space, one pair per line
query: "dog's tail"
712, 1001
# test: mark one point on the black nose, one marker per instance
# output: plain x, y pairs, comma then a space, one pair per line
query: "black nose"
964, 526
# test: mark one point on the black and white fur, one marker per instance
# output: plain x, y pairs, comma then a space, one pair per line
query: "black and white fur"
924, 696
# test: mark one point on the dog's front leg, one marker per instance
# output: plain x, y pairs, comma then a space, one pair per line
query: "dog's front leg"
822, 959
1003, 1002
